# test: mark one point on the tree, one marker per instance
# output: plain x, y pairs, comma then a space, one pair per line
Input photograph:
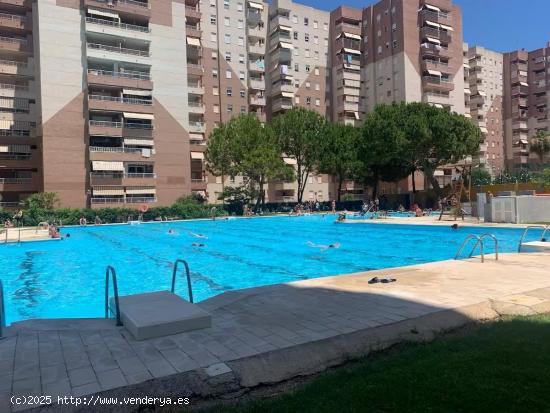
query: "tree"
543, 178
247, 147
480, 176
540, 145
443, 138
218, 153
42, 200
383, 148
299, 133
338, 155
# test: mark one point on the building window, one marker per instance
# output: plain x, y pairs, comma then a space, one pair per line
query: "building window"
227, 38
216, 108
394, 27
215, 91
212, 19
242, 92
317, 86
306, 21
307, 53
228, 74
317, 71
227, 56
241, 41
296, 52
214, 55
213, 38
306, 37
226, 4
308, 100
316, 55
240, 24
394, 44
241, 58
241, 75
229, 91
295, 35
243, 109
317, 102
316, 39
239, 6
308, 85
229, 108
215, 73
294, 19
315, 24
296, 67
307, 68
325, 26
226, 22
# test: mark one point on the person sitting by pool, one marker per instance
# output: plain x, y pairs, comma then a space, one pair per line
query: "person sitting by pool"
454, 226
341, 216
97, 220
53, 232
83, 221
333, 206
323, 247
193, 234
418, 211
8, 224
401, 208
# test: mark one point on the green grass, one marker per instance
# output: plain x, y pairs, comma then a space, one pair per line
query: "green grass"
498, 367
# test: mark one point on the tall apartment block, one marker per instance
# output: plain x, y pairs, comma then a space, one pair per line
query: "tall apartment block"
485, 82
526, 102
20, 155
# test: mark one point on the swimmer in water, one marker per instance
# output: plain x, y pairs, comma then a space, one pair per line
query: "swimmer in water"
172, 232
454, 226
323, 247
197, 244
197, 235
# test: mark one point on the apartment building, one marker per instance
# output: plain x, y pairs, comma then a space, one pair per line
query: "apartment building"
486, 86
20, 154
527, 90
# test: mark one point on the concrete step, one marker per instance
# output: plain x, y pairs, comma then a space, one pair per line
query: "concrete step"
160, 313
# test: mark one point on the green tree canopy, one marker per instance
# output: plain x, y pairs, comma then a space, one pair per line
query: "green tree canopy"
299, 133
338, 156
244, 146
42, 200
540, 145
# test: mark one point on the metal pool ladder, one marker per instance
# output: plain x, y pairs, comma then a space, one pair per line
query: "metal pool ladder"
187, 273
479, 241
544, 227
2, 311
111, 272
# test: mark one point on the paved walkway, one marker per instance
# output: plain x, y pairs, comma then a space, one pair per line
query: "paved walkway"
262, 334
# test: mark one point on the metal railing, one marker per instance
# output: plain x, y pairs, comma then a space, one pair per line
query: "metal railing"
110, 124
130, 101
127, 75
10, 86
188, 274
22, 65
435, 14
111, 271
478, 241
111, 174
2, 311
545, 228
107, 200
194, 66
15, 17
118, 25
144, 4
14, 180
121, 50
14, 156
195, 104
117, 149
13, 40
140, 200
192, 27
437, 79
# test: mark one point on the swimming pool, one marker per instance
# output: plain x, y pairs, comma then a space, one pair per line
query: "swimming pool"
66, 278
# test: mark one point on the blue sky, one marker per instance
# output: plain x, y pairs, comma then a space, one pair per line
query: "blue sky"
501, 25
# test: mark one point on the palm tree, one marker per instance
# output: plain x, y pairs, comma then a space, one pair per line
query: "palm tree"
540, 145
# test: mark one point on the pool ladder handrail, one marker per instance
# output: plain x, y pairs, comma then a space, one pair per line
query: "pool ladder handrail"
2, 311
468, 238
544, 227
188, 274
111, 271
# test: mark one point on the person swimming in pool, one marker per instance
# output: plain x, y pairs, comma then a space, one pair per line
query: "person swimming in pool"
323, 247
172, 232
193, 234
197, 244
454, 226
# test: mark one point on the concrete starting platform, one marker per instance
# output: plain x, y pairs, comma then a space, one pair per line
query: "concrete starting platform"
535, 246
159, 314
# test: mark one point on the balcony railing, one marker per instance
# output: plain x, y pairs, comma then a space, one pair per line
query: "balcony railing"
111, 174
14, 156
436, 79
13, 87
126, 75
13, 17
435, 14
15, 180
114, 149
194, 66
144, 4
198, 180
110, 124
119, 200
13, 40
121, 50
130, 101
118, 25
192, 27
140, 200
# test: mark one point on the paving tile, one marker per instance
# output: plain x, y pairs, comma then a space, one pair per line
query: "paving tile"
131, 365
60, 388
54, 373
179, 360
140, 377
27, 387
5, 384
111, 379
86, 389
160, 368
81, 376
103, 363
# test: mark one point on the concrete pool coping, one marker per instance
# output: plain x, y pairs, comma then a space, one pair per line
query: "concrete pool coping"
269, 334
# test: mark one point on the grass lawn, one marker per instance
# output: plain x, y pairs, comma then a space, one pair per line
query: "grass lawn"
498, 367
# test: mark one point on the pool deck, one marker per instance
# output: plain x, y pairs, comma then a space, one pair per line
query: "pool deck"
268, 334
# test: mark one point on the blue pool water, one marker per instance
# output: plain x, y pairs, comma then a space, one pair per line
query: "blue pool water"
66, 278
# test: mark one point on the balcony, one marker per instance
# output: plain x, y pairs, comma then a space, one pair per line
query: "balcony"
12, 67
437, 83
18, 184
108, 27
132, 79
118, 54
195, 89
256, 66
253, 16
430, 49
119, 129
348, 107
195, 69
256, 84
256, 31
125, 7
15, 44
114, 178
13, 90
103, 153
119, 104
281, 104
197, 127
198, 183
196, 107
443, 35
437, 17
256, 48
434, 65
279, 88
193, 30
13, 21
520, 125
257, 101
192, 13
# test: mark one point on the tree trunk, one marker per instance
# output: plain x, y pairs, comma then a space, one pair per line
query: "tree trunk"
413, 181
299, 182
435, 184
259, 198
340, 182
301, 191
375, 188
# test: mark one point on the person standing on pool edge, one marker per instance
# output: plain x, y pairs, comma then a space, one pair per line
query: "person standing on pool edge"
334, 206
